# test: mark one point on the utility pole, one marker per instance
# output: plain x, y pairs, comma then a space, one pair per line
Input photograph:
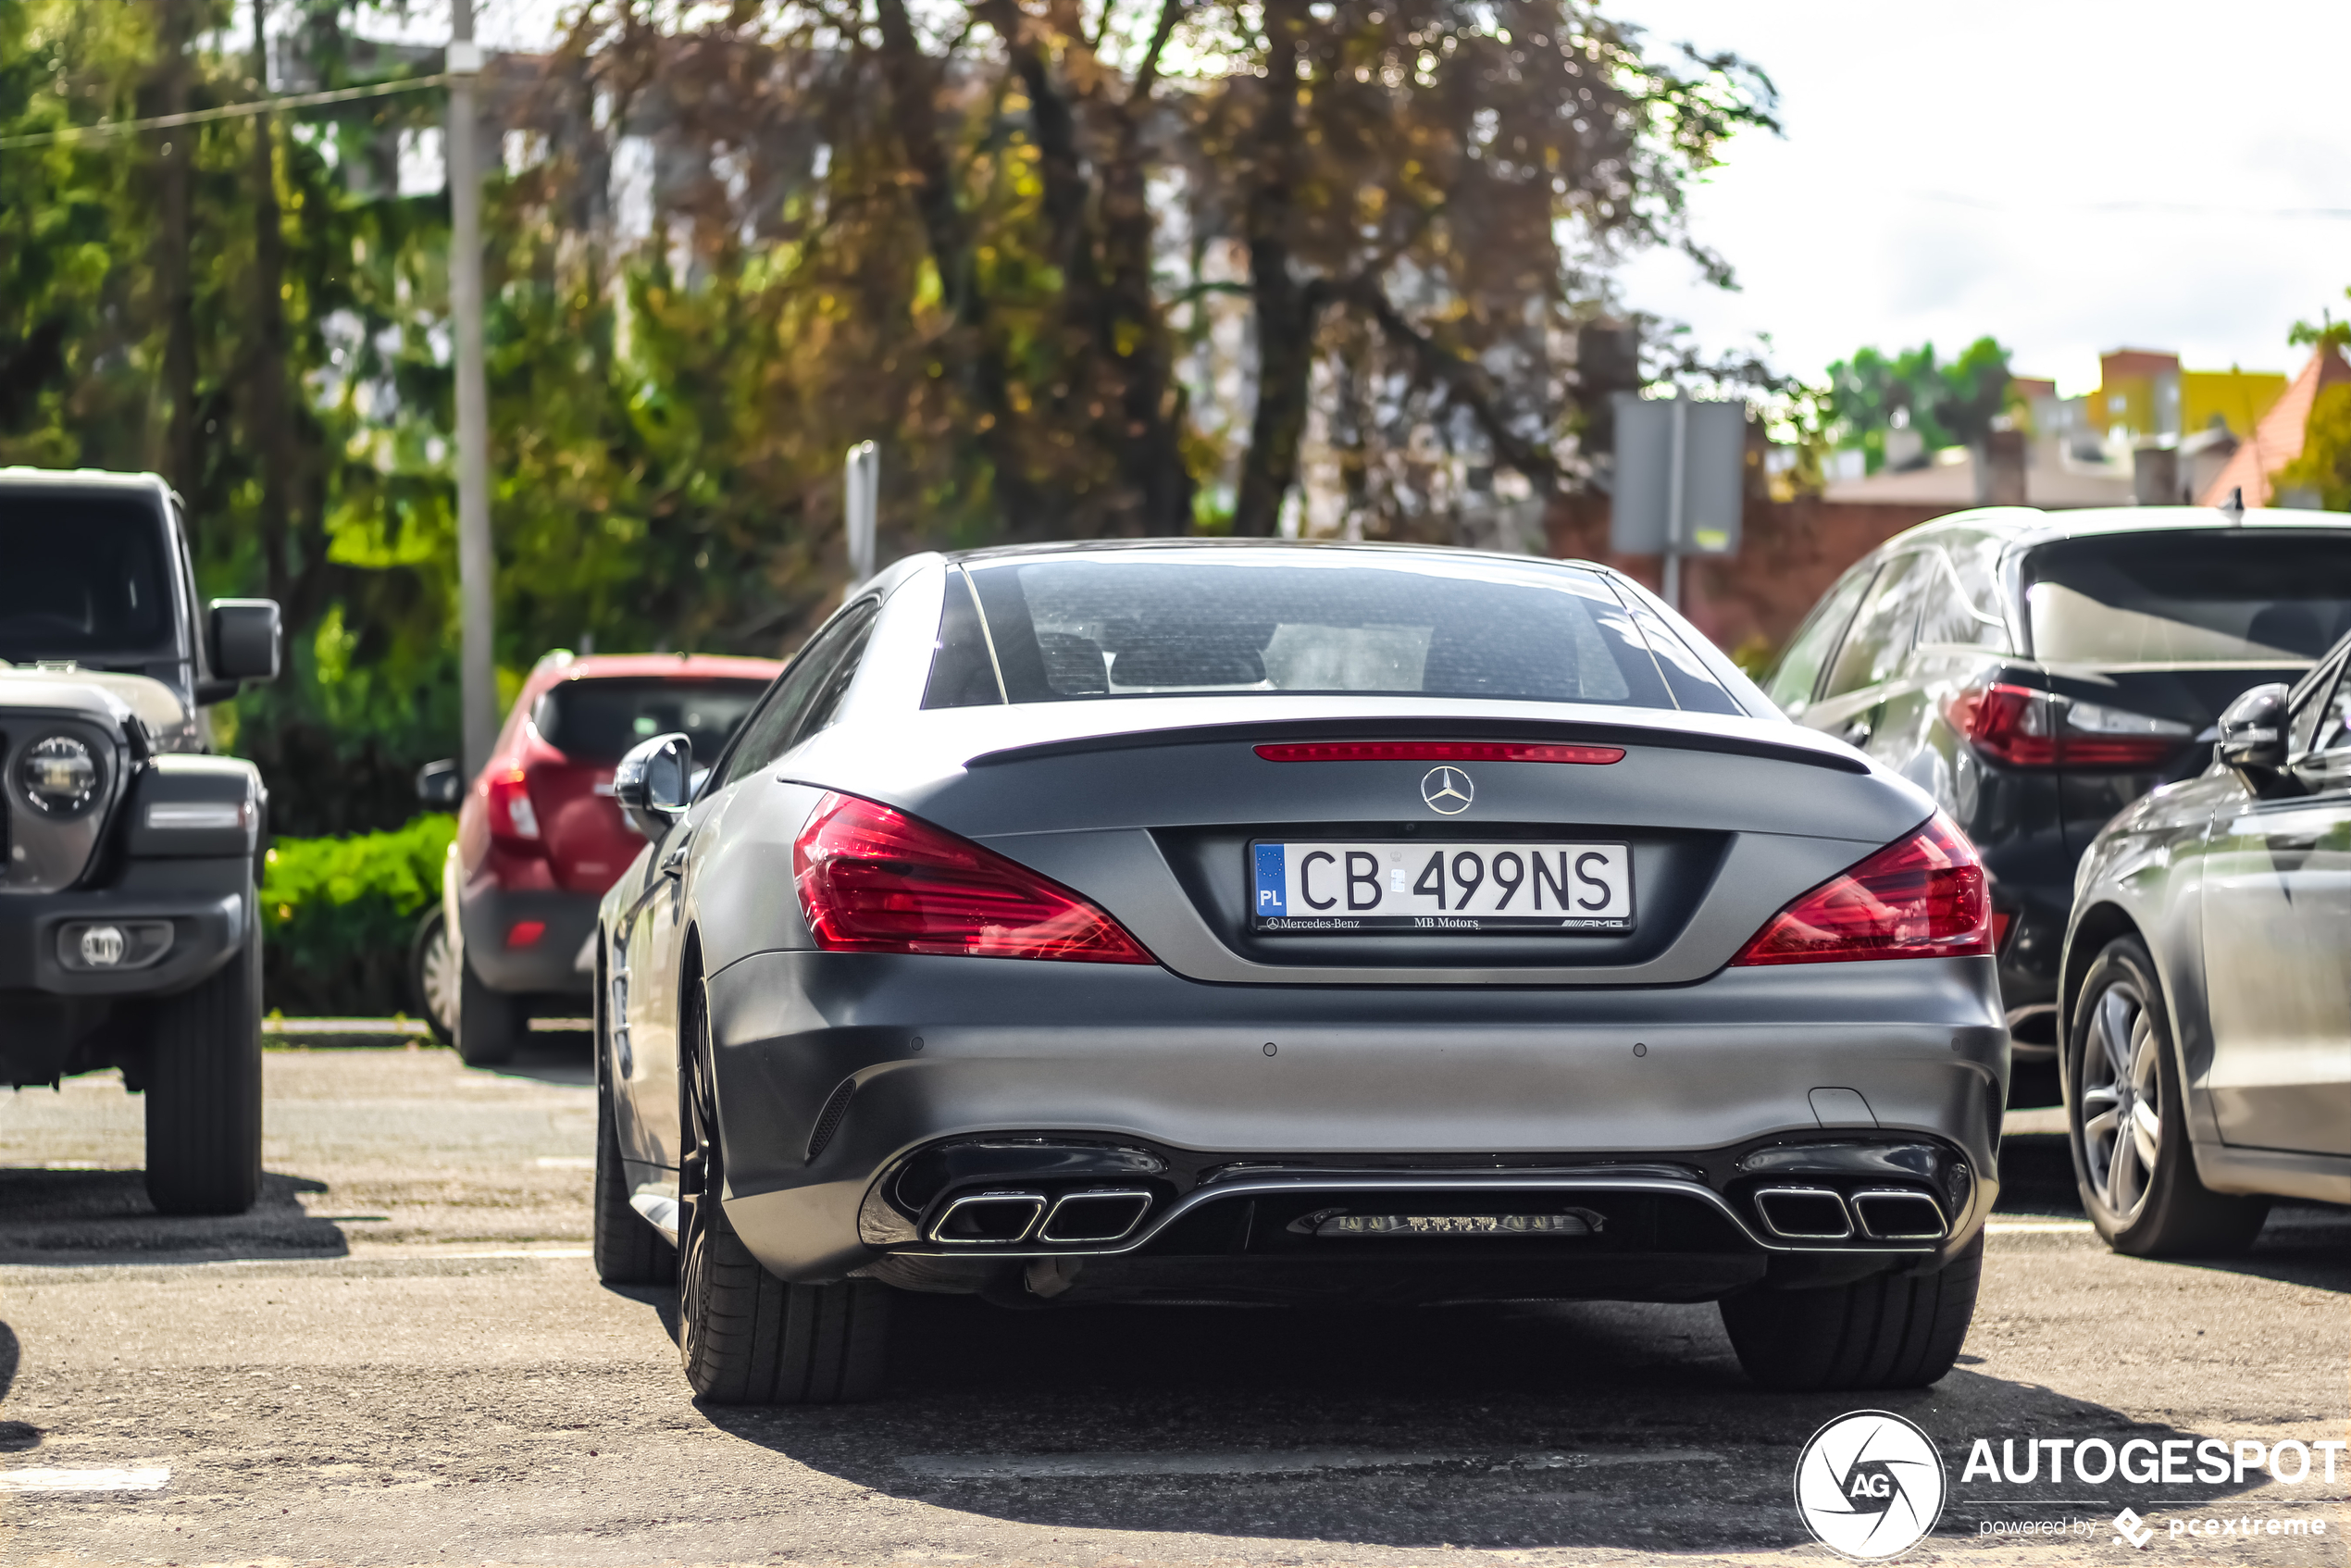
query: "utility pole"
477, 659
864, 479
1677, 465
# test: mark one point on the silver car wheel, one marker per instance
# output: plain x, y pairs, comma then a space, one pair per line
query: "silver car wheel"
2121, 1104
437, 974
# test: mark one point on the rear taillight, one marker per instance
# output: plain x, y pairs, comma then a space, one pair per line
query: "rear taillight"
510, 817
1920, 897
875, 880
2026, 728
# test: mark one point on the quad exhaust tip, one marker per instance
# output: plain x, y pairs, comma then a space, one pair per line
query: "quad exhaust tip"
1898, 1215
1805, 1214
995, 1219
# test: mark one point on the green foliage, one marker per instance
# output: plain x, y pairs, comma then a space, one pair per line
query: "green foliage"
337, 917
1951, 405
2325, 463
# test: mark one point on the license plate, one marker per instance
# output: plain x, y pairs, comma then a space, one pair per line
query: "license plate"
1325, 887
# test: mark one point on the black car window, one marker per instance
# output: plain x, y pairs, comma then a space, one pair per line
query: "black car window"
84, 575
1952, 615
2323, 721
1799, 667
595, 718
824, 708
771, 731
963, 672
1242, 621
1880, 639
2208, 596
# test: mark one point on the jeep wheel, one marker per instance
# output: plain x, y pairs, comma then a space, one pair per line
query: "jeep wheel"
1888, 1331
489, 1024
203, 1094
432, 976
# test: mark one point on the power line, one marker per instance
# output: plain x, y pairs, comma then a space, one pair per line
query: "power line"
105, 128
2180, 210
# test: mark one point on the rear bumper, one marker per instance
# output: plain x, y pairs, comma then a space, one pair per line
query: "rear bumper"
548, 965
1444, 1086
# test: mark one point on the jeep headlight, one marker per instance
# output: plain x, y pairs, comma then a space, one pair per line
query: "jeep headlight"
59, 776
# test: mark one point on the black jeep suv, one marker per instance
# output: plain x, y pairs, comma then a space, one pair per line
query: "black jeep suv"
130, 934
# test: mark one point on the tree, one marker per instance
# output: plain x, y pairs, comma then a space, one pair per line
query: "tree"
1952, 404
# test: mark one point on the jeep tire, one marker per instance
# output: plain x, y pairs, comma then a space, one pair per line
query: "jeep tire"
203, 1093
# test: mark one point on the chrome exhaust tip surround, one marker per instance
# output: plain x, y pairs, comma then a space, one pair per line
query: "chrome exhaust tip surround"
1897, 1215
1102, 1216
1804, 1213
989, 1218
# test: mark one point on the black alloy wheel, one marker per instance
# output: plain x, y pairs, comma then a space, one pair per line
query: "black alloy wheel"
746, 1336
2126, 1120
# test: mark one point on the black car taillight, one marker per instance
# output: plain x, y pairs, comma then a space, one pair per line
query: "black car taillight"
2022, 727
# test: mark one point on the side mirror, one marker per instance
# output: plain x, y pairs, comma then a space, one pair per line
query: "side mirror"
242, 638
439, 785
2253, 732
653, 783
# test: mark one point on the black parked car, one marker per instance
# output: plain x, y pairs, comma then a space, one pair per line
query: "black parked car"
2038, 672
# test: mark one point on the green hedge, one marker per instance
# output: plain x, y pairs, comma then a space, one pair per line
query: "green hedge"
338, 915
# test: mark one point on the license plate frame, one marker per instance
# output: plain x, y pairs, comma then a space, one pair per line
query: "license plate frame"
1288, 896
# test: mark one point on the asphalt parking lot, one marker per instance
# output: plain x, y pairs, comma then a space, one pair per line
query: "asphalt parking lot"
403, 1356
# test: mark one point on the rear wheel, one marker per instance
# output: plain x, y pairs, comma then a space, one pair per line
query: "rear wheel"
748, 1337
432, 976
1889, 1331
2127, 1120
203, 1094
490, 1024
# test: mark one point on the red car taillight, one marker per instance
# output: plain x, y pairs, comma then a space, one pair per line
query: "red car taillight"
2027, 729
875, 880
1920, 897
512, 819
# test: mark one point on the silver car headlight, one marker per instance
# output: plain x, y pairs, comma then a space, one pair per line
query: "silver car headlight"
59, 776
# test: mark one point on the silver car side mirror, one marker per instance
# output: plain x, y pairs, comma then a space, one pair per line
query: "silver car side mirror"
653, 783
2253, 731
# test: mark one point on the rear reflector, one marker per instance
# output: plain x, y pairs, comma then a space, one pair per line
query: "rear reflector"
526, 933
1439, 751
1920, 897
873, 879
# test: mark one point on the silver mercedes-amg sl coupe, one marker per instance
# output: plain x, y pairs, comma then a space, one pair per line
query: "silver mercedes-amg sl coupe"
1273, 923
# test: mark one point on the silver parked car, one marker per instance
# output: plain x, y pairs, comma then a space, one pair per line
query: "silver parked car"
2207, 983
1257, 922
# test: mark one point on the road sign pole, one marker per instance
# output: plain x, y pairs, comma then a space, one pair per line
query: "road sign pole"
1675, 500
477, 658
863, 479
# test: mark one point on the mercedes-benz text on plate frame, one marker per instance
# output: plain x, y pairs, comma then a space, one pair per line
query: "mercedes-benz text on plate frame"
1325, 887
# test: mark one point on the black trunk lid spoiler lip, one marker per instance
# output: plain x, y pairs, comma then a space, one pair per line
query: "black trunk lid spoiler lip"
1423, 728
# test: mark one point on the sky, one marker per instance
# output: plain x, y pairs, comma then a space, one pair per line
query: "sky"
2069, 176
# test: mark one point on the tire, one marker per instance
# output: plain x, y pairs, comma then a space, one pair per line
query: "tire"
203, 1094
1889, 1331
746, 1336
490, 1024
433, 985
2126, 1121
628, 1249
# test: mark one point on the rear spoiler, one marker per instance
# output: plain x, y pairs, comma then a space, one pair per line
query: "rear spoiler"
1429, 729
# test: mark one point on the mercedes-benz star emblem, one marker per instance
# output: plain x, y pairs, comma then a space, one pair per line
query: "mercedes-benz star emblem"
1447, 789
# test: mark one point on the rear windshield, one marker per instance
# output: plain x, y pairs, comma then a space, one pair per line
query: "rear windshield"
2246, 597
597, 719
82, 575
1183, 623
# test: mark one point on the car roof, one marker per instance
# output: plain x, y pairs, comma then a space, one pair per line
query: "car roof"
563, 664
18, 476
1174, 542
2023, 527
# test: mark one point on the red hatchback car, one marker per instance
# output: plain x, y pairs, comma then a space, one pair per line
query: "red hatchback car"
539, 839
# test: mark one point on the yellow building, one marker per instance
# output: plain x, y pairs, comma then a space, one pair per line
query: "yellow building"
2146, 394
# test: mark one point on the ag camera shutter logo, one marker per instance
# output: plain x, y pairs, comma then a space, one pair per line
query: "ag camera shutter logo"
1870, 1485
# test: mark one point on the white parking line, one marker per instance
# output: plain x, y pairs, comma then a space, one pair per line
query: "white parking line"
1061, 1466
2028, 1228
148, 1480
